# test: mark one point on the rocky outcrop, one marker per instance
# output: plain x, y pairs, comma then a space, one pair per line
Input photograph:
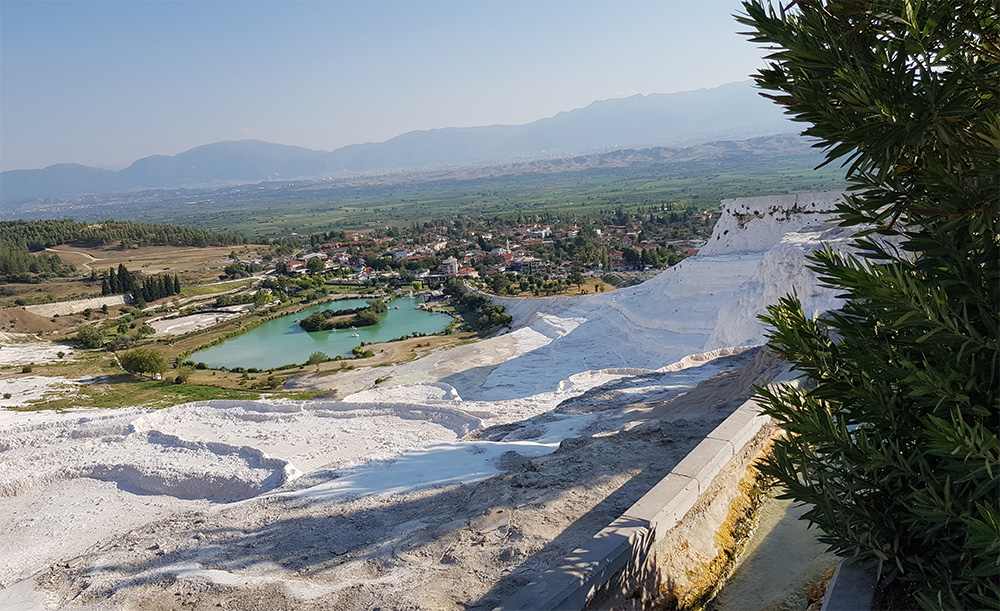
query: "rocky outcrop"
755, 224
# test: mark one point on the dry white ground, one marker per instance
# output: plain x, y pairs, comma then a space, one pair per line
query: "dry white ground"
132, 510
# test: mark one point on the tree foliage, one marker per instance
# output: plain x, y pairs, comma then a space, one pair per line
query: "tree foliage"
325, 320
895, 448
37, 235
316, 358
16, 263
143, 360
90, 336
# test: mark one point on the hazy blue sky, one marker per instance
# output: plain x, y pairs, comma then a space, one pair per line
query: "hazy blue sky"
105, 83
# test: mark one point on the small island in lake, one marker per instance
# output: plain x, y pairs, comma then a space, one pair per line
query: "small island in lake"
343, 319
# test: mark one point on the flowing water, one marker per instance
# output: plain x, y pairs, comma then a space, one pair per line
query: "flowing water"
282, 341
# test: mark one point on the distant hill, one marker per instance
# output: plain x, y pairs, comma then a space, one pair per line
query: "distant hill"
729, 111
56, 180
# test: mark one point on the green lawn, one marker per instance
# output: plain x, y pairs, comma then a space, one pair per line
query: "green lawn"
192, 291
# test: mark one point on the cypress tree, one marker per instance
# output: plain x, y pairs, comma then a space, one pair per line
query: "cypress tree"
126, 281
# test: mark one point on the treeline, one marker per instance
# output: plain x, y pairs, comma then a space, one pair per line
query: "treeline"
38, 235
150, 289
17, 264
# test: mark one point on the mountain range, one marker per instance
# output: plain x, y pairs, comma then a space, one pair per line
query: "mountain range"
729, 111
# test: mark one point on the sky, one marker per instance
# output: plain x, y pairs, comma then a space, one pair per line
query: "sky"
105, 83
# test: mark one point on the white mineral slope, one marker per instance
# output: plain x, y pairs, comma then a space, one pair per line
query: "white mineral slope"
755, 224
68, 481
780, 272
24, 349
681, 310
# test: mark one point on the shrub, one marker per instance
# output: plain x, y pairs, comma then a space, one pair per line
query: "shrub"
26, 369
183, 375
895, 448
360, 353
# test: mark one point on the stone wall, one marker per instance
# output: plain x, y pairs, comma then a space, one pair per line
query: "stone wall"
65, 308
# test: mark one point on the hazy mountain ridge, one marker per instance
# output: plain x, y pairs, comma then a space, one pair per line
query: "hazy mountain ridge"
729, 111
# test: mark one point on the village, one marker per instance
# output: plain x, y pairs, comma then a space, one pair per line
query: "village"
615, 247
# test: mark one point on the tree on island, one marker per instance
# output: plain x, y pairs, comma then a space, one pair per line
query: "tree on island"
895, 449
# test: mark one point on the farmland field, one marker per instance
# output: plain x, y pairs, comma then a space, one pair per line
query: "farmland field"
578, 186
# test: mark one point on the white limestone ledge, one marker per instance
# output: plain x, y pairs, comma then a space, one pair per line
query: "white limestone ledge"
570, 584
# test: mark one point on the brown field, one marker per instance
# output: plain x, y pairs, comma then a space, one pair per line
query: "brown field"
192, 265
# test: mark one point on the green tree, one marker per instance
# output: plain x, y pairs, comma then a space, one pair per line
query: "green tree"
90, 336
895, 447
143, 361
126, 281
315, 265
316, 358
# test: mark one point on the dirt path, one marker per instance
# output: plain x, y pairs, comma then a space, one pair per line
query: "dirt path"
74, 253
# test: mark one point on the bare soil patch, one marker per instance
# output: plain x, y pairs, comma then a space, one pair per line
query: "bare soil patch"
195, 264
16, 320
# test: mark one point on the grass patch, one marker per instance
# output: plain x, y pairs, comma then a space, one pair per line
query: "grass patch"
211, 289
124, 390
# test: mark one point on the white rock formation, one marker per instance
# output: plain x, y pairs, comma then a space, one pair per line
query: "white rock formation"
755, 256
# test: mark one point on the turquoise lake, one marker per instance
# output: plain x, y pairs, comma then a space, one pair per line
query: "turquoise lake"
282, 341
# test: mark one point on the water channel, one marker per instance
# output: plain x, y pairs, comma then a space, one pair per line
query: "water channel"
282, 341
